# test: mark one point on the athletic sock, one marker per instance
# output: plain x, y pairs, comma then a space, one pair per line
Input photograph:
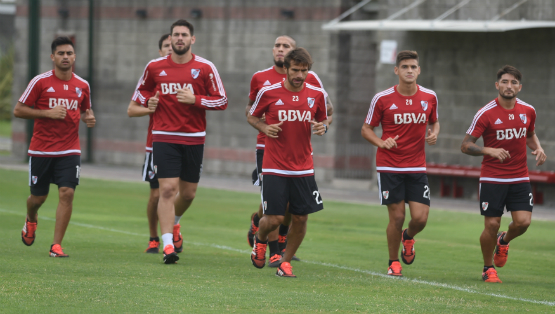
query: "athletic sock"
502, 241
283, 230
406, 235
157, 239
255, 219
258, 240
488, 267
167, 238
274, 247
392, 260
177, 219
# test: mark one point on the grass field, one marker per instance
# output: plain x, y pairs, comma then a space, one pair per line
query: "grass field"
344, 260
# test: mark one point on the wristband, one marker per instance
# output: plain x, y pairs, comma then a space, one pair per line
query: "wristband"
325, 126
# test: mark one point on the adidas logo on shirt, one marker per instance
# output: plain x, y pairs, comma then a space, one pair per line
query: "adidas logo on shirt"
393, 107
279, 103
163, 73
51, 90
267, 83
498, 121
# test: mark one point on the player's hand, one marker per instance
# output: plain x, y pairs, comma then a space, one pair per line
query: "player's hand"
498, 153
153, 102
541, 157
390, 143
186, 96
431, 138
273, 129
89, 118
318, 128
57, 113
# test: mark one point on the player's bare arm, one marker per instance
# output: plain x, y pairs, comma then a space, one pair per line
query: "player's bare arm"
469, 147
330, 110
261, 125
137, 110
433, 131
369, 134
320, 128
249, 106
25, 112
533, 142
88, 118
186, 96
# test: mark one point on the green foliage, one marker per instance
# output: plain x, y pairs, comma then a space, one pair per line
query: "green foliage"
6, 81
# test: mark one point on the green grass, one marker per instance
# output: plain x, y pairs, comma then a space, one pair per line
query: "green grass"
5, 128
344, 256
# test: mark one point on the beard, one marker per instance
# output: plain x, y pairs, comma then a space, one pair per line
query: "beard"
278, 63
292, 83
182, 51
508, 97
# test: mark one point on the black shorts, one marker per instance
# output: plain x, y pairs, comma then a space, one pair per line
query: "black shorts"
257, 173
495, 197
410, 187
62, 171
300, 192
178, 160
148, 172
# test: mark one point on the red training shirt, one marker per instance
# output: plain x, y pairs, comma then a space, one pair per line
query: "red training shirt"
135, 98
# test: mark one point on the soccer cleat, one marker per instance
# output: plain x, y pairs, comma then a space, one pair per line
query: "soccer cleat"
252, 231
153, 247
170, 257
408, 249
28, 233
282, 242
395, 269
177, 239
258, 256
274, 260
490, 275
57, 251
501, 251
285, 270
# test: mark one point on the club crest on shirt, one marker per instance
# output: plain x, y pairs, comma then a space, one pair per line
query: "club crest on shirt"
151, 175
385, 194
485, 205
523, 118
78, 91
310, 102
424, 105
35, 179
195, 73
155, 169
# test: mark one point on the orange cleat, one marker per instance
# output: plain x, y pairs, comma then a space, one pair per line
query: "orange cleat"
57, 251
177, 239
153, 247
490, 275
274, 260
252, 231
285, 270
28, 233
170, 257
501, 252
408, 249
258, 256
395, 269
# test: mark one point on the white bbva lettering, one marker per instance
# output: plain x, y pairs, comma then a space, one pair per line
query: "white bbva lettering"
53, 102
171, 88
294, 115
406, 118
509, 134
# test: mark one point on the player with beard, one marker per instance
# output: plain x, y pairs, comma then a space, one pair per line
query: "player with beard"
182, 86
56, 100
275, 74
135, 109
507, 125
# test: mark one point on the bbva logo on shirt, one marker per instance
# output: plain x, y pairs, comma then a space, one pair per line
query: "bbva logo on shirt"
294, 115
70, 105
509, 134
171, 88
407, 117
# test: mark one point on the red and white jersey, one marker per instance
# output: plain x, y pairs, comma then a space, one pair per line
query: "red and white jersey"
406, 117
507, 129
175, 122
269, 77
148, 146
56, 138
290, 155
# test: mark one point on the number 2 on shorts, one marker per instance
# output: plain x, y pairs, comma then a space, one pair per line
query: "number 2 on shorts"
317, 198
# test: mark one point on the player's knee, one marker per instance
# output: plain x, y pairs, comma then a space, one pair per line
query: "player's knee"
37, 200
523, 225
492, 225
167, 192
188, 195
299, 219
420, 221
66, 194
273, 220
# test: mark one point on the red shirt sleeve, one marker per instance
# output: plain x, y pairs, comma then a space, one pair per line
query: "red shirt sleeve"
374, 116
479, 125
32, 92
532, 127
254, 88
322, 110
86, 103
145, 88
313, 79
434, 113
260, 105
216, 98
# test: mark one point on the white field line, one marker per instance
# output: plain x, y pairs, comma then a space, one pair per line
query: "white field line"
368, 272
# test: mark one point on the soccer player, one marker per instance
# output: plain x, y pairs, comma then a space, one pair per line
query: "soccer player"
272, 75
507, 126
182, 86
292, 109
135, 109
56, 100
409, 117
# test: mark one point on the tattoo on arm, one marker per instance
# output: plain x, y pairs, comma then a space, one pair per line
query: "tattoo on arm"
469, 146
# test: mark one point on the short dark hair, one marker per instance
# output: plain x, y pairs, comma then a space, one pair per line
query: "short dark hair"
299, 56
164, 37
60, 41
185, 23
406, 54
509, 69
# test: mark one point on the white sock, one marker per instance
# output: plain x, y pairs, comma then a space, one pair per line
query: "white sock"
167, 238
177, 219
